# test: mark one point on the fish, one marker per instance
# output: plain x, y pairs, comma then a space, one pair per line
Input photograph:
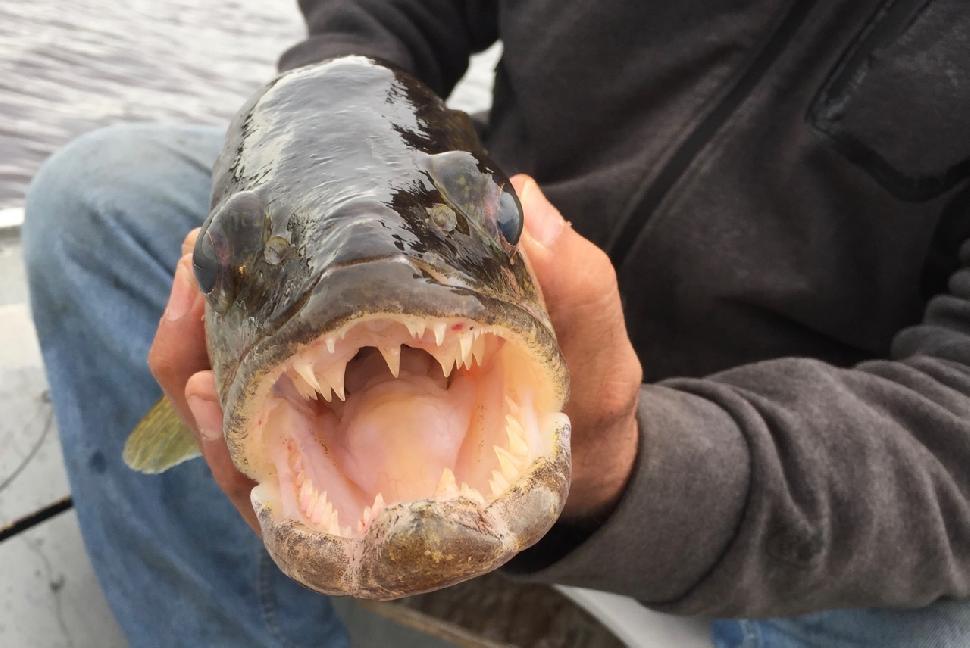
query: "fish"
387, 368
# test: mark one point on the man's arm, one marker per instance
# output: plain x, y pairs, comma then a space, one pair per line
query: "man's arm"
430, 38
792, 485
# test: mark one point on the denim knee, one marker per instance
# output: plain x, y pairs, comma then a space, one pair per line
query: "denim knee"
116, 186
86, 191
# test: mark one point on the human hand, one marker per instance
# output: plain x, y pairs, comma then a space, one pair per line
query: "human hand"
583, 299
180, 363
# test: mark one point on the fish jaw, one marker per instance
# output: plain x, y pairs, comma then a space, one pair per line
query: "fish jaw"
332, 525
420, 546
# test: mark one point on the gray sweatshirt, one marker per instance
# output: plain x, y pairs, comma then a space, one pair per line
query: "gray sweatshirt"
782, 188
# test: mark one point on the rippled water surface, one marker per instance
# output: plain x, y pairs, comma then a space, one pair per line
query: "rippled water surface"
68, 67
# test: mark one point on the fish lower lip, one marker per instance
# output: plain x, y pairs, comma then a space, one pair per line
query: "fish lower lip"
395, 409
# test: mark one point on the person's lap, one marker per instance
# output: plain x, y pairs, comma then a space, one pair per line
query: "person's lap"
105, 220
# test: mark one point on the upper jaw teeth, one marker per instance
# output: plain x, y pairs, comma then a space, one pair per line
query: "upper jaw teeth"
392, 356
321, 368
320, 371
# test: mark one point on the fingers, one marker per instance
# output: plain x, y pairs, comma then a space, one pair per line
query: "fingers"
583, 299
178, 350
180, 363
203, 403
577, 278
188, 245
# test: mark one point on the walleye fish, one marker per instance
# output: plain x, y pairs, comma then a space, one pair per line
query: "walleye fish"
386, 366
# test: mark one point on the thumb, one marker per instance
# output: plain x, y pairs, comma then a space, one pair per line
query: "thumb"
574, 274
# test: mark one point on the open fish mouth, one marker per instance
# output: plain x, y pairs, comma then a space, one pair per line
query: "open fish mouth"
395, 416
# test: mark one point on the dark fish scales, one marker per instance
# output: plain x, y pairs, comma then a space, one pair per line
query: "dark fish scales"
386, 366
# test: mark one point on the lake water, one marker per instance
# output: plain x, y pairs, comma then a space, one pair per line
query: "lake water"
69, 67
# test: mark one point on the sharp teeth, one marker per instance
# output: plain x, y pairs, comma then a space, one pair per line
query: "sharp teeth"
370, 513
445, 358
333, 376
507, 462
308, 498
511, 404
498, 483
392, 356
305, 371
439, 332
516, 434
322, 511
331, 344
465, 341
478, 348
415, 328
301, 386
472, 494
447, 487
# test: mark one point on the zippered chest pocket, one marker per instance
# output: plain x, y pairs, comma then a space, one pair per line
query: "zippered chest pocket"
898, 102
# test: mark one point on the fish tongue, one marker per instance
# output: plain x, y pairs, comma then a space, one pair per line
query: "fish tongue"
402, 435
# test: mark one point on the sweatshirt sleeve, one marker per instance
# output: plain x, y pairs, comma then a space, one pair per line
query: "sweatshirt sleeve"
791, 485
432, 39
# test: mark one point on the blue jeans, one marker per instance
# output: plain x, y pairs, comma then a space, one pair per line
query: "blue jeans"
105, 221
105, 218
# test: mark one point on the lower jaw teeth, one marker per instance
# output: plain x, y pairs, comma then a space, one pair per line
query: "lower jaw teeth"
318, 511
318, 374
447, 486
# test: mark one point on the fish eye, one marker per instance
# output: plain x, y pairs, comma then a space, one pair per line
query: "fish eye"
508, 216
228, 242
205, 262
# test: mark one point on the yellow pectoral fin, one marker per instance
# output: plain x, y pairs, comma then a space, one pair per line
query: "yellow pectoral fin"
159, 441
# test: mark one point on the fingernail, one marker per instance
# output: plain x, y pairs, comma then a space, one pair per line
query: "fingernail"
188, 244
183, 291
543, 221
208, 417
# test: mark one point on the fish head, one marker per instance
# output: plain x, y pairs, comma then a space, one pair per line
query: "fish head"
388, 372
